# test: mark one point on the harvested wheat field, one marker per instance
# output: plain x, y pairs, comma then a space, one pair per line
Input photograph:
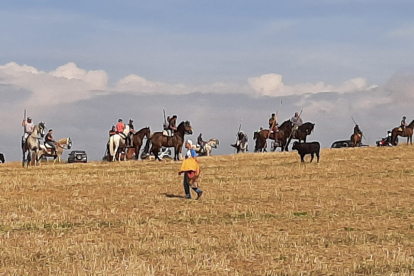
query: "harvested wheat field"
261, 214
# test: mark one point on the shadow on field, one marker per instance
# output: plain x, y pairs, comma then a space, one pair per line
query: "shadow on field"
173, 196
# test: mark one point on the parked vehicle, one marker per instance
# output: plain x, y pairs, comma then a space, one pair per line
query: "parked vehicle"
341, 144
77, 156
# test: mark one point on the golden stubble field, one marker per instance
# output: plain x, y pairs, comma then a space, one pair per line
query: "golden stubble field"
261, 214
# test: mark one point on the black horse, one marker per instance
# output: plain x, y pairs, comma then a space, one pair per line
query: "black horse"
2, 160
301, 133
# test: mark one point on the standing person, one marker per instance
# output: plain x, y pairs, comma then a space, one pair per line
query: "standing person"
403, 124
28, 127
296, 121
191, 169
120, 126
50, 141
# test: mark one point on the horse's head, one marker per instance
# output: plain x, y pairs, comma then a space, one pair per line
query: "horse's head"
213, 143
255, 135
310, 128
69, 143
42, 129
188, 129
286, 125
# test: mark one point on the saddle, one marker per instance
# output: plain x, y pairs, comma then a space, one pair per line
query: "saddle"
47, 146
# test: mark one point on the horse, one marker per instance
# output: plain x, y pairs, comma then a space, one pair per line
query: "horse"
301, 133
32, 145
241, 144
208, 146
407, 132
159, 140
2, 159
356, 138
117, 144
279, 137
261, 143
137, 138
62, 144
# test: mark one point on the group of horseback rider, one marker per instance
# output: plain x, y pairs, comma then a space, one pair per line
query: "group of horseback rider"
28, 130
119, 129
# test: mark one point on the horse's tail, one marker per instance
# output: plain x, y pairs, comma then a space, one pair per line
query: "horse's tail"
111, 145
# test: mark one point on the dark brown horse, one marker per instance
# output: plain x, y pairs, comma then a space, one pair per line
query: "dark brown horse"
159, 140
137, 138
407, 132
301, 133
2, 160
279, 137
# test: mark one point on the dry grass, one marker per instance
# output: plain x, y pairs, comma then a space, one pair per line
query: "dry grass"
262, 214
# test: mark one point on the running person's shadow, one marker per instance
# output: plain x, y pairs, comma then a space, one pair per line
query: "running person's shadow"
173, 196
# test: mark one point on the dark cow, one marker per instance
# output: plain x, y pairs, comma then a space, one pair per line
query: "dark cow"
2, 160
307, 148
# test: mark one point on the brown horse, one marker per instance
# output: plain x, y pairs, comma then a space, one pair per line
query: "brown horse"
279, 137
62, 144
137, 139
159, 140
407, 132
301, 133
356, 138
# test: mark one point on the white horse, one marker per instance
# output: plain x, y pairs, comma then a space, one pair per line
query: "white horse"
117, 142
208, 146
62, 144
32, 145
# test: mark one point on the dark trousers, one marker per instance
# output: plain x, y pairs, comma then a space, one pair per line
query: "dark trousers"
186, 183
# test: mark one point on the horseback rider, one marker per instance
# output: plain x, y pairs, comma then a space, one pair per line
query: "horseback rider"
50, 141
403, 124
240, 136
357, 131
296, 121
166, 124
120, 126
131, 132
28, 128
172, 124
200, 142
112, 131
273, 123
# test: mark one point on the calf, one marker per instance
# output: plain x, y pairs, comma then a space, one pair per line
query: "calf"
307, 148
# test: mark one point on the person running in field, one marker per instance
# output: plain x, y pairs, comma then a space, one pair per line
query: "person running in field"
191, 170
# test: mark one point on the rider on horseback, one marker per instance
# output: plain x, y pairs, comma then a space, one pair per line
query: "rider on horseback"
120, 126
200, 142
28, 128
112, 131
50, 141
172, 124
357, 131
131, 132
403, 124
273, 123
296, 121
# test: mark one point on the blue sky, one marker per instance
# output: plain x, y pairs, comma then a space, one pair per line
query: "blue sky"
78, 50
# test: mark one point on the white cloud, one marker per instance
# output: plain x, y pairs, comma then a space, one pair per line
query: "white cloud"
67, 83
272, 85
